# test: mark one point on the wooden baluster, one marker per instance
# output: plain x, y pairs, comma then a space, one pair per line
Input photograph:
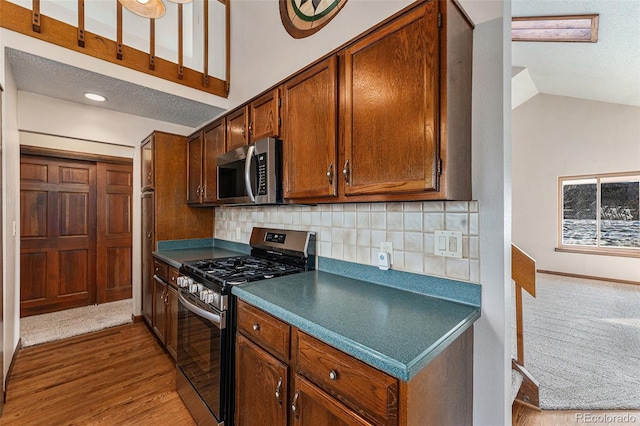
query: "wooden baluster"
35, 16
152, 45
81, 23
180, 43
119, 32
205, 71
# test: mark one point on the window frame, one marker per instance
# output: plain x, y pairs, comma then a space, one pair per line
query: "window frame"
597, 250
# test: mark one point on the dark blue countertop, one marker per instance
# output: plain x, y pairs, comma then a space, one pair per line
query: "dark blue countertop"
395, 330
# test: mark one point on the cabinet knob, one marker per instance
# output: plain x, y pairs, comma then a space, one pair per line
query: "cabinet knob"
256, 327
333, 375
345, 172
330, 174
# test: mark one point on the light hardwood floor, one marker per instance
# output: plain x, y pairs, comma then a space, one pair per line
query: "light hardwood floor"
118, 376
524, 416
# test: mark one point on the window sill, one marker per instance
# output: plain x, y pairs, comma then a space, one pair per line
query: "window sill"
600, 251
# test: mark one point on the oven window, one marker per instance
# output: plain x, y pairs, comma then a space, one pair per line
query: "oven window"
199, 349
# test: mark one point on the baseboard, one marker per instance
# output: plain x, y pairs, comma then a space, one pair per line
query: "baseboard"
588, 277
136, 318
10, 369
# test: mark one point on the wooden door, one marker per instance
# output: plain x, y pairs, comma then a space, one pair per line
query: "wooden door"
261, 386
310, 132
237, 129
214, 145
194, 169
390, 98
114, 233
264, 116
313, 407
147, 172
148, 245
57, 234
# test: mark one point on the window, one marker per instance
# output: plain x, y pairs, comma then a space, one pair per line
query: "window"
599, 213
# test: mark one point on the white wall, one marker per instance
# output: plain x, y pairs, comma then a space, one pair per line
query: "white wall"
11, 214
559, 136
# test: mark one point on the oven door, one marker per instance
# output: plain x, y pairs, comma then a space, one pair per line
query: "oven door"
201, 345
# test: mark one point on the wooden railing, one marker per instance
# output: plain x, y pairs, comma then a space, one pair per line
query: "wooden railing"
34, 24
523, 273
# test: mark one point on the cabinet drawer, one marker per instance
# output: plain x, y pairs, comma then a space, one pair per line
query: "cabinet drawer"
366, 390
265, 330
173, 277
160, 269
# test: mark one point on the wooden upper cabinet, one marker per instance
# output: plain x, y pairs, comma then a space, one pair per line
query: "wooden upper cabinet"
237, 128
390, 107
264, 116
213, 145
310, 132
147, 174
194, 169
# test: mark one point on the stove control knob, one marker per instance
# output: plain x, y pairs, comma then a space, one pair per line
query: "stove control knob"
193, 287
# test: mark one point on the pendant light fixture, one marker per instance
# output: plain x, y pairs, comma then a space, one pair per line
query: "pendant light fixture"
151, 9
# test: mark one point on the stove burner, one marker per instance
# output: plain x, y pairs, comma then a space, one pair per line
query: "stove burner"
240, 269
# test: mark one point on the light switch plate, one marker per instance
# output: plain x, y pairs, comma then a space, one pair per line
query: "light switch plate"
447, 243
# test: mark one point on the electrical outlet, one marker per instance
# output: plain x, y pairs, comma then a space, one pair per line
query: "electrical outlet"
238, 233
388, 247
447, 243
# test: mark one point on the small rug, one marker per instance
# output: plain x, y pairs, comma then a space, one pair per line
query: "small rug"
582, 343
37, 329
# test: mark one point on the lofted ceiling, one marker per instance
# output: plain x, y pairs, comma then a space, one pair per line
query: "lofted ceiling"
607, 71
45, 77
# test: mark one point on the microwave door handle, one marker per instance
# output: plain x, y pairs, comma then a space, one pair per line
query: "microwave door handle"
247, 173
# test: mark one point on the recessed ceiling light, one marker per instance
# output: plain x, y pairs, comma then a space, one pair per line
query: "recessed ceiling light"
580, 28
95, 97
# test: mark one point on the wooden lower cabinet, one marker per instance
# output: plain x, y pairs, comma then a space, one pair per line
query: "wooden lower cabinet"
313, 407
261, 386
313, 383
163, 300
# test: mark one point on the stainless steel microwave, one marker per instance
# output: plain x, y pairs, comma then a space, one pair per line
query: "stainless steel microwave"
251, 174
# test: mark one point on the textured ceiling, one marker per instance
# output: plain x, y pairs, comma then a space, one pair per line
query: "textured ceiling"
607, 71
57, 80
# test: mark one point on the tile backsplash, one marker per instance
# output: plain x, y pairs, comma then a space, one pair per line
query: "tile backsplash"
353, 232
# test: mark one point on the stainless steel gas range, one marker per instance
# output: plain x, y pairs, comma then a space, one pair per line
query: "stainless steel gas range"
207, 316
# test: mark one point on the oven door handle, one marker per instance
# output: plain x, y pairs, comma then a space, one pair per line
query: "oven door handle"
218, 320
247, 173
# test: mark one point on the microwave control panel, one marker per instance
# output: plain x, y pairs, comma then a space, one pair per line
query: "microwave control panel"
262, 174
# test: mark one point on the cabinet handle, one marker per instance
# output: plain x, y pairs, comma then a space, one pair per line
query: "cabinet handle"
251, 128
149, 177
256, 327
333, 375
330, 174
278, 391
198, 190
345, 172
243, 131
294, 407
149, 235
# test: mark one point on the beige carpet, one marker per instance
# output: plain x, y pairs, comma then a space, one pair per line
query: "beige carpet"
43, 328
582, 343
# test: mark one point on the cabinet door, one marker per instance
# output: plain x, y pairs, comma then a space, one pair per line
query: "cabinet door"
160, 308
194, 169
214, 145
147, 259
390, 96
313, 407
264, 116
172, 321
261, 386
237, 129
310, 132
147, 174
